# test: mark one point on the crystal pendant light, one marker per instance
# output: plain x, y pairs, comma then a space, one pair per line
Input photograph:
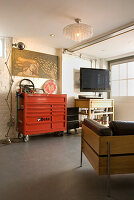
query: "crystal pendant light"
78, 31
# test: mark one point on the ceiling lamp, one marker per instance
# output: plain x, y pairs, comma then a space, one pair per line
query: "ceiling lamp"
78, 31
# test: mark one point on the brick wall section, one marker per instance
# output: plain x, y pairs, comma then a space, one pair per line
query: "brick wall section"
4, 88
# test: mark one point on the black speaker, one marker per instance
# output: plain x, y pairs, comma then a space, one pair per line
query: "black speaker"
72, 118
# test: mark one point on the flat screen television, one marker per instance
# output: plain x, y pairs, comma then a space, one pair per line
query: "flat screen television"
94, 80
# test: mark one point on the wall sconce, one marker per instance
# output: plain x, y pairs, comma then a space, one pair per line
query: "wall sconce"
19, 45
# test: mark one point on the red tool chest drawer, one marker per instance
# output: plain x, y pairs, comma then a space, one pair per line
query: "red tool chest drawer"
42, 113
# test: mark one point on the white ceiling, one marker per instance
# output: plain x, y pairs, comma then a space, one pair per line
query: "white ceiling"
120, 46
37, 19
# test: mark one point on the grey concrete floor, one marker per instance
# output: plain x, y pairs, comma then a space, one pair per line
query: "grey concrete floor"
47, 168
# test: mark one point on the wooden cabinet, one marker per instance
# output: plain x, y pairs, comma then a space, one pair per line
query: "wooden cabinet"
101, 110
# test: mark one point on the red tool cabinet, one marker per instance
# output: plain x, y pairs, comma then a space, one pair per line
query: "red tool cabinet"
41, 113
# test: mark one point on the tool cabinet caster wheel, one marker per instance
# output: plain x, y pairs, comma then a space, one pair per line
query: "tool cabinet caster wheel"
61, 133
20, 135
26, 138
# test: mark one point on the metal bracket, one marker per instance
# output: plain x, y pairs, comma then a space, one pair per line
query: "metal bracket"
108, 197
81, 153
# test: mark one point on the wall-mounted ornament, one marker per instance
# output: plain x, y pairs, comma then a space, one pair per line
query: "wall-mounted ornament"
50, 87
33, 64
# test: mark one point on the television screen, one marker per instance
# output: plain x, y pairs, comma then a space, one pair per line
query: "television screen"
94, 80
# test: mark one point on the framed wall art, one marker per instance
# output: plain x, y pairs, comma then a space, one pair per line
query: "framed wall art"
33, 64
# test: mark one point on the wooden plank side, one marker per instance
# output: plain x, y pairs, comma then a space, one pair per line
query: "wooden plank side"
123, 144
118, 165
91, 156
91, 138
82, 103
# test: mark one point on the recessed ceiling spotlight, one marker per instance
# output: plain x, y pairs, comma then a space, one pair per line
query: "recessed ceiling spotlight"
52, 35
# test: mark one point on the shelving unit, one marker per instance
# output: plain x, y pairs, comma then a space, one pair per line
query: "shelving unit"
101, 110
